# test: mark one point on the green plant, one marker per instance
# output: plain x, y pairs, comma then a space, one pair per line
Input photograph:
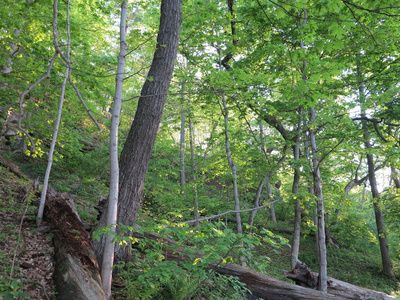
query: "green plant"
9, 289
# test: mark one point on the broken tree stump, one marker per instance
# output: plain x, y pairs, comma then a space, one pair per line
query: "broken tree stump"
77, 274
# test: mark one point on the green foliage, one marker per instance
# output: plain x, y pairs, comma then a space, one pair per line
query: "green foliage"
281, 63
9, 289
150, 276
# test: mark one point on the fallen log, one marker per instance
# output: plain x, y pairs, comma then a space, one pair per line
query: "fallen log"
303, 276
77, 274
12, 167
265, 287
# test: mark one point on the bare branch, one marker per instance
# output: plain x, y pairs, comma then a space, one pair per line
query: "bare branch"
22, 96
231, 212
83, 102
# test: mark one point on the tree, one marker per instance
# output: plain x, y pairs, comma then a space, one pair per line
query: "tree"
136, 153
108, 255
380, 225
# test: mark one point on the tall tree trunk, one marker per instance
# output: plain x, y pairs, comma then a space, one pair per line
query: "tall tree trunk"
269, 196
323, 274
194, 173
232, 164
269, 191
295, 189
257, 200
382, 235
182, 152
60, 107
137, 150
108, 254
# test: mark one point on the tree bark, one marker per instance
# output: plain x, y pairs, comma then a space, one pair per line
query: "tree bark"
232, 164
77, 274
295, 190
109, 246
323, 276
137, 150
182, 153
303, 276
194, 173
382, 235
60, 107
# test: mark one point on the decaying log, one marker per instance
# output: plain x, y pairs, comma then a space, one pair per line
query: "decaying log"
12, 167
77, 274
303, 276
260, 285
265, 287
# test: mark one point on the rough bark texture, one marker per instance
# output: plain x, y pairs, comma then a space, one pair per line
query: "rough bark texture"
77, 274
137, 150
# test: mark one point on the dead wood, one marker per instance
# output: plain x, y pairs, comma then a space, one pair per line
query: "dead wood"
77, 274
303, 276
265, 287
12, 167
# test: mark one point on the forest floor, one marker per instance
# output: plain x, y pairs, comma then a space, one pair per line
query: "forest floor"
26, 251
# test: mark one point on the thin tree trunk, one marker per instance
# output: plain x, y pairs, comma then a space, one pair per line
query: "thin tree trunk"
182, 152
269, 192
257, 201
260, 187
108, 254
137, 150
382, 235
269, 196
210, 141
194, 174
363, 196
58, 120
323, 274
232, 164
295, 190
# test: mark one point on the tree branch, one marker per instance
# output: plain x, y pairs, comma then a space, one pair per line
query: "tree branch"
231, 212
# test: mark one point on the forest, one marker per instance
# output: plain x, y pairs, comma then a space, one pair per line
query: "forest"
199, 149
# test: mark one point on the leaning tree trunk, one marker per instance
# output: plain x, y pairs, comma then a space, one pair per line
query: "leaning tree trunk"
382, 235
136, 153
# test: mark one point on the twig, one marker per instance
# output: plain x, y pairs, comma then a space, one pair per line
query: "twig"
22, 96
83, 102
